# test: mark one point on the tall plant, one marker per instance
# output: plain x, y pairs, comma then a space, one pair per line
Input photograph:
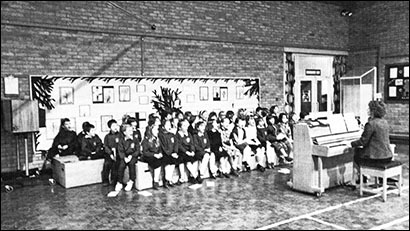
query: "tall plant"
167, 101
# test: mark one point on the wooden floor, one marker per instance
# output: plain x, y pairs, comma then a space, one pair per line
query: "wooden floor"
252, 201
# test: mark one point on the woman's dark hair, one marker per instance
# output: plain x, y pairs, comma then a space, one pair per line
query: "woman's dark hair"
377, 108
181, 121
281, 115
110, 122
230, 115
268, 118
212, 114
303, 114
199, 124
188, 114
272, 109
191, 119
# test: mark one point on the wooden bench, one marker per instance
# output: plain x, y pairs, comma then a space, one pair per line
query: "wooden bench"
69, 172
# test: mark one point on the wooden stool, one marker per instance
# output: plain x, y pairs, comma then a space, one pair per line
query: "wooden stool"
384, 170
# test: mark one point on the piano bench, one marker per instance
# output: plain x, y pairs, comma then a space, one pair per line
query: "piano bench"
383, 170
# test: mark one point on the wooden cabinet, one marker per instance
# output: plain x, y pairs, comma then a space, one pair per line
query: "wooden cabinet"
20, 116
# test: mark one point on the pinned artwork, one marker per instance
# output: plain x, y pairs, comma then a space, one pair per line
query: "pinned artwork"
52, 128
11, 85
141, 88
240, 92
224, 93
108, 94
97, 94
203, 93
216, 93
66, 95
144, 100
124, 93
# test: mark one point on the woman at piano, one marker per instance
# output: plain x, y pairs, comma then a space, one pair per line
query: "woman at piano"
374, 144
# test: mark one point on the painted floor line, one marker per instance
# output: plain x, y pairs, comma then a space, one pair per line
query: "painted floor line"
327, 223
398, 221
326, 210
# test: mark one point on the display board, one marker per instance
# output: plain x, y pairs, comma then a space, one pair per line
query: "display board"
397, 82
99, 100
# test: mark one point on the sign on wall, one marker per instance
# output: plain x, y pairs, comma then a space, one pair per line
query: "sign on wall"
397, 82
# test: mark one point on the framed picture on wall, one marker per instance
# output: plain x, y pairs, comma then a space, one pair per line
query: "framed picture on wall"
84, 110
97, 94
104, 121
66, 95
52, 128
216, 93
203, 93
140, 88
224, 93
108, 94
124, 93
144, 100
240, 92
397, 83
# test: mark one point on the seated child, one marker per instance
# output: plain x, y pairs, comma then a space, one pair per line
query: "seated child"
203, 151
169, 147
262, 137
238, 137
111, 141
221, 155
128, 152
284, 128
65, 143
92, 146
186, 149
277, 140
152, 154
254, 143
235, 157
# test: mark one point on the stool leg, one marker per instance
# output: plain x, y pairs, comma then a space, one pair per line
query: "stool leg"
400, 182
384, 187
360, 181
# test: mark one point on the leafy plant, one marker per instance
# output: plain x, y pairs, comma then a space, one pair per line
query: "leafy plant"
167, 101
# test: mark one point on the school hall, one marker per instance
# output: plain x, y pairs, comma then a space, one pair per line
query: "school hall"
205, 115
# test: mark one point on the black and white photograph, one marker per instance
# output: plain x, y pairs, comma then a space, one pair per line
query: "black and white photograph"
204, 115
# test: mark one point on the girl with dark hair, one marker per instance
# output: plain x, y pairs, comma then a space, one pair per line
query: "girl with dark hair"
65, 143
221, 155
152, 154
277, 140
253, 142
238, 137
274, 111
235, 157
203, 152
186, 149
128, 151
284, 128
169, 147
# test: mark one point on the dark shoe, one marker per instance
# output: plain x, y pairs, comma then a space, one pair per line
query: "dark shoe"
220, 175
169, 184
288, 159
155, 186
272, 165
192, 180
234, 173
199, 180
261, 168
213, 176
178, 183
268, 166
226, 175
106, 184
165, 185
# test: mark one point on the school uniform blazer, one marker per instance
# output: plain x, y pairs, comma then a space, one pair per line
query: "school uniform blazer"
285, 129
215, 140
201, 143
185, 143
149, 148
375, 140
271, 133
168, 142
137, 135
235, 132
66, 137
128, 147
261, 134
111, 140
91, 144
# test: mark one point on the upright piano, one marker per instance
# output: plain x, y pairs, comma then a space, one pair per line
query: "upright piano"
320, 159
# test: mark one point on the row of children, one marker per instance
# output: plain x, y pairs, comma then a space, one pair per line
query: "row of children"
221, 143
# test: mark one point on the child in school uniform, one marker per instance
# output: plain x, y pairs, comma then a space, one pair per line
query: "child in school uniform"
186, 149
169, 147
238, 137
203, 152
128, 152
152, 154
235, 156
111, 141
136, 133
221, 155
277, 140
253, 141
92, 146
284, 128
262, 137
65, 143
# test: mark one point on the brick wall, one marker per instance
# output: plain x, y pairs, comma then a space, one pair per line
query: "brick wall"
379, 35
192, 38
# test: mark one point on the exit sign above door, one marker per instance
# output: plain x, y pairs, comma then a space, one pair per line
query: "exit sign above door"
312, 72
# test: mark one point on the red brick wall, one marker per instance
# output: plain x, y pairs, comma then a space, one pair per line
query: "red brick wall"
381, 31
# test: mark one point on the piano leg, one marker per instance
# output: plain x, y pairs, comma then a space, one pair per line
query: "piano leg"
320, 171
